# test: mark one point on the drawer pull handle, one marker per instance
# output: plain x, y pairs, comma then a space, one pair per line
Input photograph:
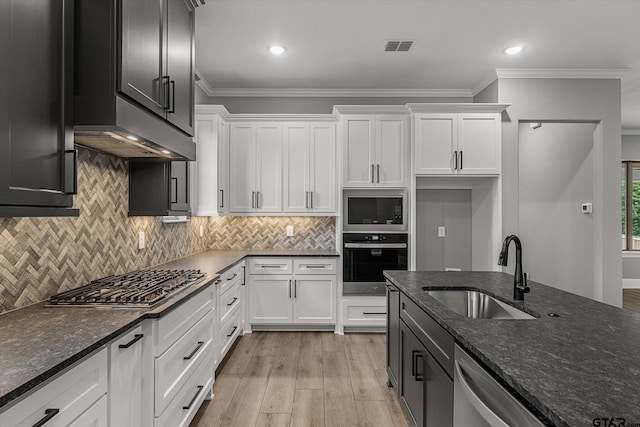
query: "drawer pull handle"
195, 350
49, 413
136, 338
200, 387
232, 332
233, 301
233, 276
217, 282
373, 312
316, 266
271, 266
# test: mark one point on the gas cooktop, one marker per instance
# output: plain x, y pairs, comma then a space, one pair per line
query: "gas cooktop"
142, 288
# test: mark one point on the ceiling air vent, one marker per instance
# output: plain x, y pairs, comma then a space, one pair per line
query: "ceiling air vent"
398, 46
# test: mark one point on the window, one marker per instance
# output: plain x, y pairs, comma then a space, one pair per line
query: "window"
630, 192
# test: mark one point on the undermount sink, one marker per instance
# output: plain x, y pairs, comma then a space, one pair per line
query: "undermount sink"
476, 304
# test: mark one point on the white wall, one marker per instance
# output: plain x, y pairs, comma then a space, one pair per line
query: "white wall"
580, 100
556, 235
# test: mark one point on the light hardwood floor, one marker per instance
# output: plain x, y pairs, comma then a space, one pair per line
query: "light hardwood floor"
631, 299
303, 379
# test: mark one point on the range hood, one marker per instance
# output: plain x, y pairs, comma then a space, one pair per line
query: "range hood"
124, 129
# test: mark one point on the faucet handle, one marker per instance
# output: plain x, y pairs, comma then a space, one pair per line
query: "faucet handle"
525, 288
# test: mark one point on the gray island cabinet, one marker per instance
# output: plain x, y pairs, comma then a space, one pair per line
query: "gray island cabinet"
568, 361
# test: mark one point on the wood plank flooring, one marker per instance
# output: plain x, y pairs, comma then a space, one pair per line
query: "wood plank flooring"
631, 299
303, 379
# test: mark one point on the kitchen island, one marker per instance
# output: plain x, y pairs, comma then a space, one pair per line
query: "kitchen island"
576, 365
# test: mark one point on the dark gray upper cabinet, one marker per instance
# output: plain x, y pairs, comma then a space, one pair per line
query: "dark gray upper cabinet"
37, 159
135, 70
158, 188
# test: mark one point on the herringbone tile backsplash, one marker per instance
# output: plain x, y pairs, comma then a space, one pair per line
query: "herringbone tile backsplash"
43, 256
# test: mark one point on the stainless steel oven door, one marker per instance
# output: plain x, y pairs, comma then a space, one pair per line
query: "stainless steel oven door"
363, 264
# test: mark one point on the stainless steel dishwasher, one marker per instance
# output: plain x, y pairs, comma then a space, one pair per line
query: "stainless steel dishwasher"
480, 401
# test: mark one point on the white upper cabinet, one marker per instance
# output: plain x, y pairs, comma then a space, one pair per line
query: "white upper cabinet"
255, 165
309, 167
375, 150
209, 184
457, 144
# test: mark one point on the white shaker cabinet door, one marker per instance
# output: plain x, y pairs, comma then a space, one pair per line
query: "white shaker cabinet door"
242, 167
358, 156
271, 299
296, 167
479, 138
322, 162
314, 297
269, 167
391, 151
436, 138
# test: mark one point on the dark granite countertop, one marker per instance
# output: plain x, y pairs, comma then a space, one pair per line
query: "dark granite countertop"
582, 365
37, 342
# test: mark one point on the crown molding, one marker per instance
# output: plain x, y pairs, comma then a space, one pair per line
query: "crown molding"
284, 117
370, 109
630, 132
560, 73
492, 77
220, 110
202, 83
336, 93
457, 107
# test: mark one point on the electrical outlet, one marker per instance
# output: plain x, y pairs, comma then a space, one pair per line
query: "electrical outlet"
441, 231
289, 230
140, 239
201, 230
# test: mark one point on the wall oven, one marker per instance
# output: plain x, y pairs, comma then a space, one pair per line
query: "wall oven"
366, 256
373, 211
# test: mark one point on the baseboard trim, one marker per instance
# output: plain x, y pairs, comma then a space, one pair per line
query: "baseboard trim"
630, 283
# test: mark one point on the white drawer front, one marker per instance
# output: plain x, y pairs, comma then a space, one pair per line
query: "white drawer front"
314, 265
364, 315
230, 301
174, 367
70, 395
184, 406
96, 416
228, 333
172, 326
229, 278
270, 265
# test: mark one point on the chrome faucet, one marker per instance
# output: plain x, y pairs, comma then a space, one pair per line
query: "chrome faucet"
519, 279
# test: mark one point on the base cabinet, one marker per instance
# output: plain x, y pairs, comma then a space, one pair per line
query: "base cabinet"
393, 335
125, 379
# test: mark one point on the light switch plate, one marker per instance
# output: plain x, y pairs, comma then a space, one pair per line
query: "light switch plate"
141, 240
441, 231
201, 230
289, 230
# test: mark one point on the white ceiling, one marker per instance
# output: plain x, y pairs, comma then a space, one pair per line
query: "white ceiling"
338, 44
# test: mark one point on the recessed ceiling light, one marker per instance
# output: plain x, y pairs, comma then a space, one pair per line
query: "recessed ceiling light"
166, 151
277, 49
131, 137
513, 50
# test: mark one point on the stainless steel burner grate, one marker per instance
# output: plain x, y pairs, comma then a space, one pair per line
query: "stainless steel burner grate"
143, 288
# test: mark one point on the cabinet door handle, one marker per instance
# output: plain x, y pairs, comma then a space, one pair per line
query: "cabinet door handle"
222, 198
200, 387
253, 200
174, 190
166, 82
373, 174
230, 334
136, 338
217, 282
289, 288
311, 199
419, 375
455, 160
460, 159
295, 289
195, 350
48, 414
233, 301
415, 355
378, 173
244, 275
71, 172
172, 110
306, 199
257, 200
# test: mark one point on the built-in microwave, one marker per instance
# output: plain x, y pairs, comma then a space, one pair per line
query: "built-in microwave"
374, 211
